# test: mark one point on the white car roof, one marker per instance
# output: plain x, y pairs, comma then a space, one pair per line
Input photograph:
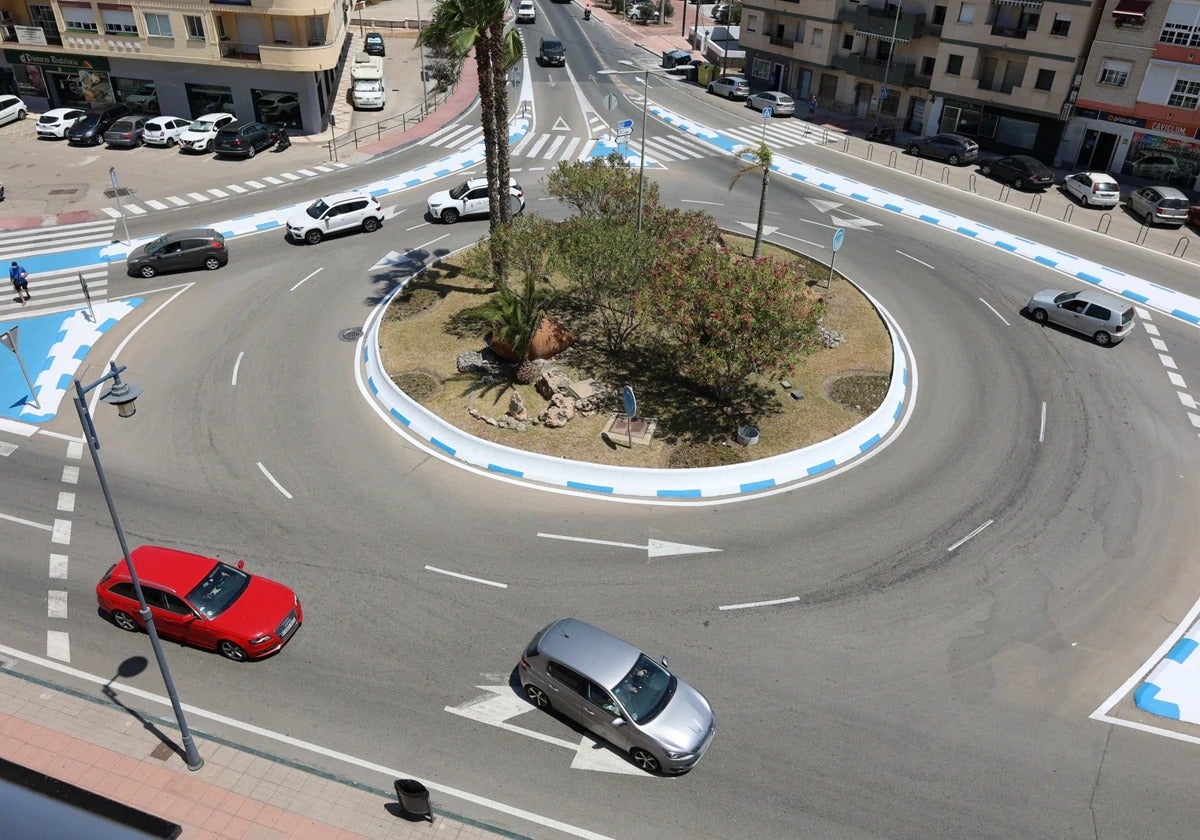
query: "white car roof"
58, 112
211, 117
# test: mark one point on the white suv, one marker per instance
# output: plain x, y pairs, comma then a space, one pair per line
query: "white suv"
335, 214
526, 12
470, 198
199, 136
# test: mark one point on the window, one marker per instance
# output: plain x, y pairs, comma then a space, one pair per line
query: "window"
1182, 26
760, 69
1061, 25
751, 23
800, 32
567, 677
1115, 73
195, 26
1185, 95
966, 15
927, 65
779, 30
118, 22
848, 42
1045, 80
818, 37
158, 26
954, 65
79, 19
124, 589
939, 15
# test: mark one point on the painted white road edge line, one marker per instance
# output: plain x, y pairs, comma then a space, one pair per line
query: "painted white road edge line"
994, 312
390, 772
753, 604
971, 535
7, 518
271, 479
237, 364
1042, 429
306, 279
466, 577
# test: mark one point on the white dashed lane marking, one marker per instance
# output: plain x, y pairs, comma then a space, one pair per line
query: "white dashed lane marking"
75, 450
58, 645
61, 533
70, 474
66, 502
56, 603
58, 567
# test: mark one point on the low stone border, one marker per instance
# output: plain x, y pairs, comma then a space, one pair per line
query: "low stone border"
608, 480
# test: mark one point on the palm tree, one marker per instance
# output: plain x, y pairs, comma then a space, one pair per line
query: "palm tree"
457, 27
760, 161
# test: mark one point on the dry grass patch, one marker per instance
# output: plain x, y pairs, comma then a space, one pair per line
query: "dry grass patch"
424, 332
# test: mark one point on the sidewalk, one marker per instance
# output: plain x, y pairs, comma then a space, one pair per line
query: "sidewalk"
94, 744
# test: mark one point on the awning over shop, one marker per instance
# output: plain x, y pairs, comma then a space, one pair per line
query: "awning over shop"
1131, 10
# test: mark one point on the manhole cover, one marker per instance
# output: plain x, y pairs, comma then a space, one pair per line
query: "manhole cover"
64, 192
109, 193
352, 334
162, 752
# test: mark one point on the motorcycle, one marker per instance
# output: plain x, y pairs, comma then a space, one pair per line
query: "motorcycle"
882, 133
282, 141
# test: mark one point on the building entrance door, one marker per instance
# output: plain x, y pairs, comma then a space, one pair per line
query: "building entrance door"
1097, 150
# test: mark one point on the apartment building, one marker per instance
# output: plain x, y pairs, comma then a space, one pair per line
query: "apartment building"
1138, 107
1001, 72
270, 60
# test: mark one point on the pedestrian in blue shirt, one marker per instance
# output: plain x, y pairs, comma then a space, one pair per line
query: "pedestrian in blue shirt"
20, 281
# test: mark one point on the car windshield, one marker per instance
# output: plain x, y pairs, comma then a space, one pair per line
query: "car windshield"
645, 690
201, 125
1065, 296
155, 246
552, 46
213, 595
461, 190
317, 209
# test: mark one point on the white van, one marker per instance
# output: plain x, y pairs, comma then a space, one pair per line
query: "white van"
367, 88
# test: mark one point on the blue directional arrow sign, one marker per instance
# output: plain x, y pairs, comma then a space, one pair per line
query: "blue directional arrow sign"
625, 124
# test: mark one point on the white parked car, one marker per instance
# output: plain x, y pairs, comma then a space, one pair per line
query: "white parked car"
165, 131
199, 136
1093, 189
781, 104
526, 12
335, 214
470, 198
56, 121
12, 108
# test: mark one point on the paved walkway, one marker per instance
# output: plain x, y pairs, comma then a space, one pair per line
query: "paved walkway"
93, 743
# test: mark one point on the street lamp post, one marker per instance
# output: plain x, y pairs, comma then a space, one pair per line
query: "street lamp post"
421, 48
122, 395
645, 103
888, 65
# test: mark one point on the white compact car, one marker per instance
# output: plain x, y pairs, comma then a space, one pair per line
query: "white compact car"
470, 198
1093, 189
165, 131
526, 12
12, 108
56, 121
199, 136
335, 214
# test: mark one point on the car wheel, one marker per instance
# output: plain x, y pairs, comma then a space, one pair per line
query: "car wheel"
125, 621
537, 697
208, 147
313, 237
1019, 183
1102, 338
147, 271
370, 224
985, 169
1039, 315
952, 160
212, 263
21, 115
644, 760
712, 89
914, 150
251, 152
170, 142
730, 95
231, 651
450, 216
1083, 201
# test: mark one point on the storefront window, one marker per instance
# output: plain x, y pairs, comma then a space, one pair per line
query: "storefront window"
80, 88
1167, 160
277, 107
140, 95
209, 99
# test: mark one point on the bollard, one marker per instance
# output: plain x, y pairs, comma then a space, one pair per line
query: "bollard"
414, 798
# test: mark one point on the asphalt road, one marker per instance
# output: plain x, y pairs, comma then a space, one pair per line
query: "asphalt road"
920, 687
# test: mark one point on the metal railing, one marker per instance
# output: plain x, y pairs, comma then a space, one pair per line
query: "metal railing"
375, 131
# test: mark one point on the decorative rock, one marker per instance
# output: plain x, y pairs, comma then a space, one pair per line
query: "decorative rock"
551, 383
560, 410
490, 421
516, 407
476, 362
474, 412
830, 338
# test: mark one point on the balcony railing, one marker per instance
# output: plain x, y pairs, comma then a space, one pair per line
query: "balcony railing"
786, 43
900, 74
1009, 32
996, 86
240, 50
880, 23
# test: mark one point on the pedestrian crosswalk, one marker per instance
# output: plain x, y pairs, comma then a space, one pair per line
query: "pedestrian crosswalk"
661, 148
52, 289
141, 206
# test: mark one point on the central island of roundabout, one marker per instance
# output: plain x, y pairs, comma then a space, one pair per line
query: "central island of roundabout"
747, 368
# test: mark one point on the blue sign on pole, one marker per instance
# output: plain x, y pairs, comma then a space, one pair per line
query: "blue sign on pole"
630, 402
625, 124
883, 93
839, 236
767, 112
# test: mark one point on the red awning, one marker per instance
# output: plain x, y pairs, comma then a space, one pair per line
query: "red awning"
1131, 9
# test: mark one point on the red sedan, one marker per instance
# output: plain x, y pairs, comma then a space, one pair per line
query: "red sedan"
203, 602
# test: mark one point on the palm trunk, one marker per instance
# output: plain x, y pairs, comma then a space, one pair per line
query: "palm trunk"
762, 212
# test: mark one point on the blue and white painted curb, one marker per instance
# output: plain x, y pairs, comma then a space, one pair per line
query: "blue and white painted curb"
711, 482
1172, 689
1137, 289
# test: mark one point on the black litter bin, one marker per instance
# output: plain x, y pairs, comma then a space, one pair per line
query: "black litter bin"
673, 58
414, 798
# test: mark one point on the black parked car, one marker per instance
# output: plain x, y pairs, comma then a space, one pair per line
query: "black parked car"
373, 44
952, 148
244, 139
89, 131
552, 51
1022, 171
180, 250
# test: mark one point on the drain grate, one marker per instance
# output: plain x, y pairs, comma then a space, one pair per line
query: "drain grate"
162, 752
64, 192
111, 193
352, 334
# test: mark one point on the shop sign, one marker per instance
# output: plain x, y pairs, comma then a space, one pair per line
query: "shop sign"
32, 35
1119, 119
56, 60
1168, 128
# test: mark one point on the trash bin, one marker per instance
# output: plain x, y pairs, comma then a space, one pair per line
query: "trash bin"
705, 73
673, 58
414, 798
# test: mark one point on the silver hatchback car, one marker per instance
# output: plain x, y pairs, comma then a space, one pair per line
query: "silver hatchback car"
1160, 206
1108, 320
617, 692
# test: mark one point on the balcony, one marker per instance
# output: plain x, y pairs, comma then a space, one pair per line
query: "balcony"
1010, 32
786, 43
996, 86
879, 23
899, 75
240, 51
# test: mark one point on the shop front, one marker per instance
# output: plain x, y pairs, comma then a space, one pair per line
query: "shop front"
1140, 147
53, 80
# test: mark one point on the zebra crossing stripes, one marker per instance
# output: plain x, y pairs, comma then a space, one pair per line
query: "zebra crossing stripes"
781, 134
31, 242
56, 290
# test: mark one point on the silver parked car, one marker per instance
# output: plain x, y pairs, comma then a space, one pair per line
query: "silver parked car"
952, 148
731, 87
1093, 189
781, 104
1107, 319
617, 692
1160, 206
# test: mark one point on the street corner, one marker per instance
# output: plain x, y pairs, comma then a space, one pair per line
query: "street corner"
43, 354
1172, 689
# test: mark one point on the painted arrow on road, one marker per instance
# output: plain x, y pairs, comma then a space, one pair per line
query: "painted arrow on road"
653, 548
500, 704
767, 229
853, 222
